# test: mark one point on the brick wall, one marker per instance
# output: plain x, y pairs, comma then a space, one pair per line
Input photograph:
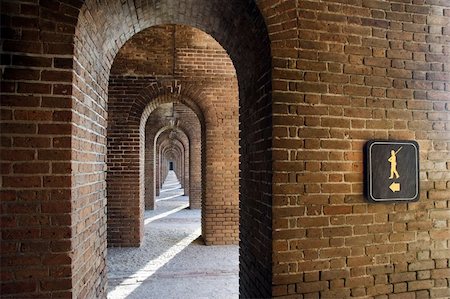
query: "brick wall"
37, 234
346, 72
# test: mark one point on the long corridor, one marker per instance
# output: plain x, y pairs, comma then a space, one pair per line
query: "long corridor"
173, 262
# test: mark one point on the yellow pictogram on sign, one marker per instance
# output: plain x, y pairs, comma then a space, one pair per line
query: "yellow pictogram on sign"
393, 160
395, 187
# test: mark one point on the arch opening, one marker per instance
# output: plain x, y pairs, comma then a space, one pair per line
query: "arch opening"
188, 55
184, 123
94, 52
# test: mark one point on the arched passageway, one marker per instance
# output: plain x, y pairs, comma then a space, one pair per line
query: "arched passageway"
170, 149
184, 57
308, 104
201, 99
128, 118
186, 166
178, 117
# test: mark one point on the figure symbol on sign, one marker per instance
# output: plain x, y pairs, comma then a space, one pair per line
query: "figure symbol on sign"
393, 160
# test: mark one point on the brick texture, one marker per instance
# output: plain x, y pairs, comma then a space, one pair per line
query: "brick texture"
315, 81
38, 235
56, 65
345, 72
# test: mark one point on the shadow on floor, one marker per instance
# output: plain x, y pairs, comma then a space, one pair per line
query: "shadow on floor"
173, 261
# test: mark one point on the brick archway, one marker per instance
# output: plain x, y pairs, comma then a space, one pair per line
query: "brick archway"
74, 45
166, 148
194, 126
169, 90
185, 175
127, 132
174, 149
250, 54
151, 184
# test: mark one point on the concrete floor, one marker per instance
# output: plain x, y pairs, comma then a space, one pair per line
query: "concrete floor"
173, 262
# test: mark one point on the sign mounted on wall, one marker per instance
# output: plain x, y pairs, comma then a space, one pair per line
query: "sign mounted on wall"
392, 171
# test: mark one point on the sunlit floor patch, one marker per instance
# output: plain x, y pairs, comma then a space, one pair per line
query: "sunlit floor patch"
166, 197
169, 189
165, 214
131, 283
170, 264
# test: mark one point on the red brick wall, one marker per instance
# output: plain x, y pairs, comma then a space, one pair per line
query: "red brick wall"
37, 232
346, 72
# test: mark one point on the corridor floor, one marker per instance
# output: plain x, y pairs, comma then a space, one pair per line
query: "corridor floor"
173, 262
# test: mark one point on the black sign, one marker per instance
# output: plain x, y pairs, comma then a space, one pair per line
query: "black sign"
392, 170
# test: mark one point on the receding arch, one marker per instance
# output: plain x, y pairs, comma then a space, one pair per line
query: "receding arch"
152, 172
175, 147
167, 91
148, 103
240, 29
195, 138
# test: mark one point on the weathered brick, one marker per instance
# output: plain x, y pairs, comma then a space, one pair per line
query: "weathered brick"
420, 285
369, 69
421, 265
